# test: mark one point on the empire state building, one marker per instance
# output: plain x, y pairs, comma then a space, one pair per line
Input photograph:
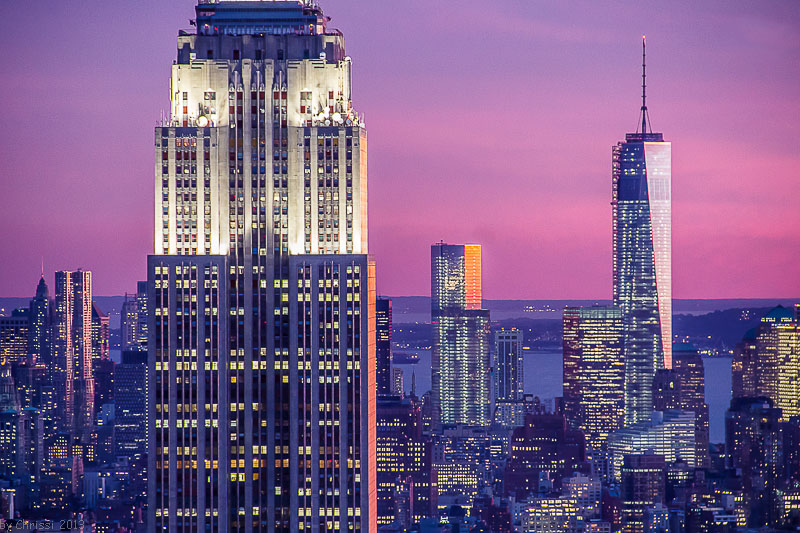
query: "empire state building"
262, 295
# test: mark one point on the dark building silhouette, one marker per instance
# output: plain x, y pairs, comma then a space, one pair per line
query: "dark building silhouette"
492, 515
594, 372
130, 405
40, 337
755, 440
544, 444
103, 383
406, 480
683, 388
383, 345
73, 343
643, 488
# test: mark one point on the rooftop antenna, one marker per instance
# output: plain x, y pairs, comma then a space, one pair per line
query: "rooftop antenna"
644, 113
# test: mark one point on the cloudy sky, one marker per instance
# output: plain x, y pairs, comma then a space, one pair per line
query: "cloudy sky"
489, 122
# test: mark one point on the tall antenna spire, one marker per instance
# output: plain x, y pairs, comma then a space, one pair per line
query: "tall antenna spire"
644, 85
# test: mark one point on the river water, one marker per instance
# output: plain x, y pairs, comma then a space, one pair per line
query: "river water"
543, 378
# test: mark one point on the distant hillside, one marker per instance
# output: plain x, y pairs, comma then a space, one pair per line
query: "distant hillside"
715, 333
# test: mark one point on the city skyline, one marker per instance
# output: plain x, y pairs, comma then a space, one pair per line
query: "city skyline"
734, 163
255, 381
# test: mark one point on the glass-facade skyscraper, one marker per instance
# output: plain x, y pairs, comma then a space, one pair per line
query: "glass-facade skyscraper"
383, 345
261, 330
460, 357
509, 378
642, 259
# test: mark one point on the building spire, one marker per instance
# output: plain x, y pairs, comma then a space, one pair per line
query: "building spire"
644, 113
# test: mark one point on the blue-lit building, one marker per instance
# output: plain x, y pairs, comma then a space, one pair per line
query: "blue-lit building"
460, 378
642, 259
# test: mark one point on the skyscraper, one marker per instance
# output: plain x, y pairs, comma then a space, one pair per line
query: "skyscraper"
545, 443
642, 257
754, 443
261, 295
141, 309
460, 355
100, 334
133, 323
594, 371
73, 376
508, 378
40, 325
683, 387
643, 487
14, 336
767, 362
129, 322
383, 345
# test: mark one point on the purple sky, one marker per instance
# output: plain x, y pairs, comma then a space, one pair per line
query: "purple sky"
489, 122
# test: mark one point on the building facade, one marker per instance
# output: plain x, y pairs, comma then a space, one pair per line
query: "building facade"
755, 443
407, 485
40, 336
545, 444
642, 259
683, 387
594, 372
509, 378
643, 488
261, 294
101, 330
14, 336
767, 362
460, 377
383, 345
130, 405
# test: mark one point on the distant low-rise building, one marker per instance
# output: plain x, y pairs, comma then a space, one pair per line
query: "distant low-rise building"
551, 515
